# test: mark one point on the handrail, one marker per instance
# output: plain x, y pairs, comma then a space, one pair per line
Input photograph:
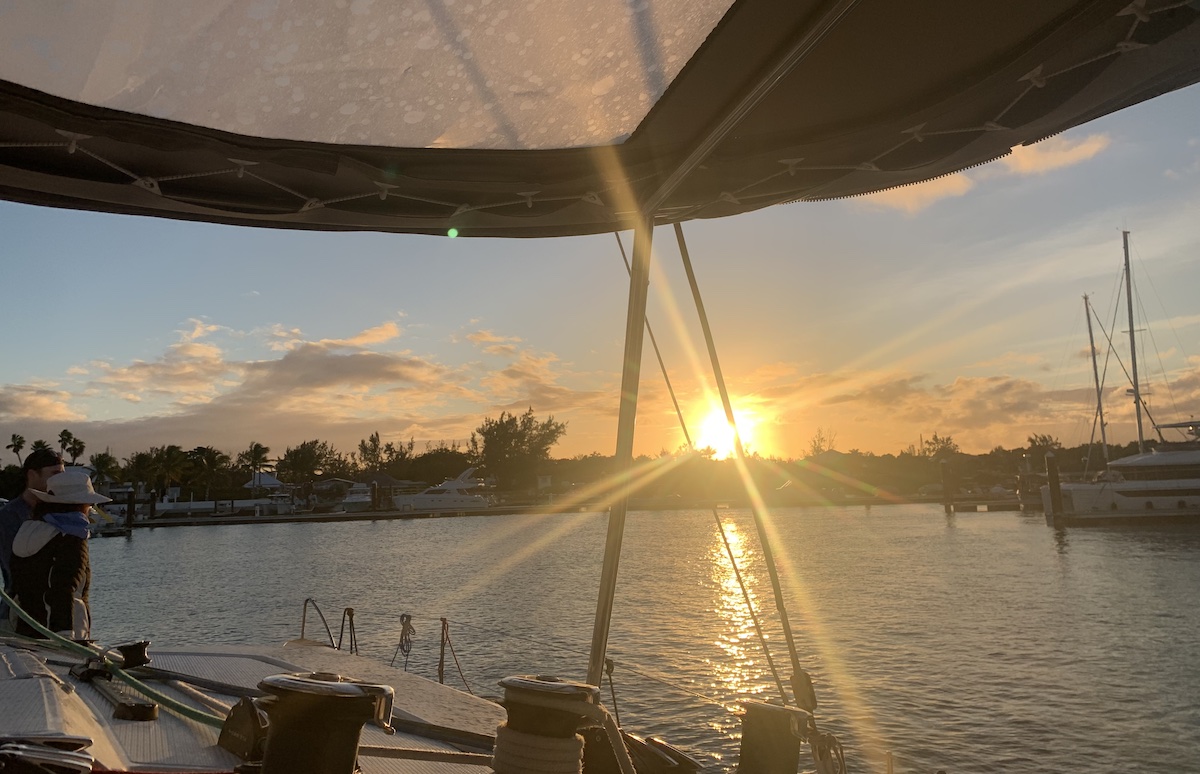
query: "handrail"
304, 621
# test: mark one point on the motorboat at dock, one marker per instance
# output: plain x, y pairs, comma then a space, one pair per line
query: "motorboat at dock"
358, 499
453, 495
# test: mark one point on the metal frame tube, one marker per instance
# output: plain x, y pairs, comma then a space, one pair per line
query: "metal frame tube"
635, 327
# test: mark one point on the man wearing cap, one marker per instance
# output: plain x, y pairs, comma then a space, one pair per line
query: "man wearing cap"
51, 571
37, 469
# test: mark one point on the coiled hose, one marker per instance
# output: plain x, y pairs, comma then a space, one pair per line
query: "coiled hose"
110, 666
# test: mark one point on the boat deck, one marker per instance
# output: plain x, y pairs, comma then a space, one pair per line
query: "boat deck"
42, 702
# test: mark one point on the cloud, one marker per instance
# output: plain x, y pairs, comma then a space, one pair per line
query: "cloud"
376, 335
1053, 153
341, 390
281, 339
1050, 154
493, 344
187, 372
914, 198
199, 330
20, 401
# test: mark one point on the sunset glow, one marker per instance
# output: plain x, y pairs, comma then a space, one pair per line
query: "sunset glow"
867, 334
716, 433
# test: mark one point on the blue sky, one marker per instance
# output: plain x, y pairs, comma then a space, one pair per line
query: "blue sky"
951, 307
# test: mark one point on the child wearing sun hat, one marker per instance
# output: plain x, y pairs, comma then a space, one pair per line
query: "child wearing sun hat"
51, 572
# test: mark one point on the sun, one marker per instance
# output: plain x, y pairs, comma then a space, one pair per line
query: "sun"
716, 433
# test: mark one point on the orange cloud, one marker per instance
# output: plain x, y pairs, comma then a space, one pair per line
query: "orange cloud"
914, 198
19, 402
487, 337
1053, 153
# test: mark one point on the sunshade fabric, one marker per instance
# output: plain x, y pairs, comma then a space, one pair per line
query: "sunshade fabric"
254, 113
391, 73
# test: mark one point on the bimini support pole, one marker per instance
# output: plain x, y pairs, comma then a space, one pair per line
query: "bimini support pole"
635, 326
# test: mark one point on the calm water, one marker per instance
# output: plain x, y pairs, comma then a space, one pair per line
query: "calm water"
973, 643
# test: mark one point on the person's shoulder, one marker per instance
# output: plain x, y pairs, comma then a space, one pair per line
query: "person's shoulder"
15, 507
33, 537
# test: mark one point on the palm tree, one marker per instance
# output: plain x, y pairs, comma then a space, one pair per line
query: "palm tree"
170, 463
40, 445
18, 443
75, 448
65, 439
106, 467
255, 459
209, 466
139, 468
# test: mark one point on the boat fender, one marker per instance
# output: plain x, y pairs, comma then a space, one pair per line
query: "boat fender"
802, 689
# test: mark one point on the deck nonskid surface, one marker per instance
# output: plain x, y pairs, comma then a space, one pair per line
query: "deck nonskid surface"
40, 699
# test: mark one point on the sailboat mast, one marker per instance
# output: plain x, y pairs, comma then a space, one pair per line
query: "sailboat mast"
1087, 310
1137, 394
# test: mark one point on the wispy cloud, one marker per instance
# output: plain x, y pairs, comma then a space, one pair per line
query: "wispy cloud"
376, 335
1053, 153
1045, 156
493, 344
914, 198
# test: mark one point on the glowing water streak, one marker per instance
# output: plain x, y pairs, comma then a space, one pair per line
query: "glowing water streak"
856, 484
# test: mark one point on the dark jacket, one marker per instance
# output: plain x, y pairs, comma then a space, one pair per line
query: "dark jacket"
51, 577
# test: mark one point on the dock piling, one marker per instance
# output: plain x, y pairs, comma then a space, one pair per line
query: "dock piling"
947, 487
1052, 479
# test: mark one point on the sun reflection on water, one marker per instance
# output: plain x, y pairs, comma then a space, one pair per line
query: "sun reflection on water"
741, 673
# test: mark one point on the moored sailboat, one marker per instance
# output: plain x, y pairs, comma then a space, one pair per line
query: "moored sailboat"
1160, 483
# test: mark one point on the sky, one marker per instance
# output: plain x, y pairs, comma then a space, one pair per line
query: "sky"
953, 307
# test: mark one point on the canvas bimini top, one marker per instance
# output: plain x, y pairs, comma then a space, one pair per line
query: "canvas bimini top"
546, 117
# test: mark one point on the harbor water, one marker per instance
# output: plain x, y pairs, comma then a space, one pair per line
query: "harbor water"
976, 642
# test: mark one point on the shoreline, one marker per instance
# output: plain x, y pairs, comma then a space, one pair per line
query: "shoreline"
206, 520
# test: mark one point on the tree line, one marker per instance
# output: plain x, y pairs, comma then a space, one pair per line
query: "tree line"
513, 451
508, 449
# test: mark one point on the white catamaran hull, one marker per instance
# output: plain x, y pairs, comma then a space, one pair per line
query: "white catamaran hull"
1125, 501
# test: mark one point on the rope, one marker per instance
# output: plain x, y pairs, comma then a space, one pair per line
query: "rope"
446, 634
768, 551
669, 682
94, 652
517, 753
609, 665
657, 352
828, 754
737, 573
404, 645
590, 711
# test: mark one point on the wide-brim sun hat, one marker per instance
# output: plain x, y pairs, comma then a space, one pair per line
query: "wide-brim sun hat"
72, 487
